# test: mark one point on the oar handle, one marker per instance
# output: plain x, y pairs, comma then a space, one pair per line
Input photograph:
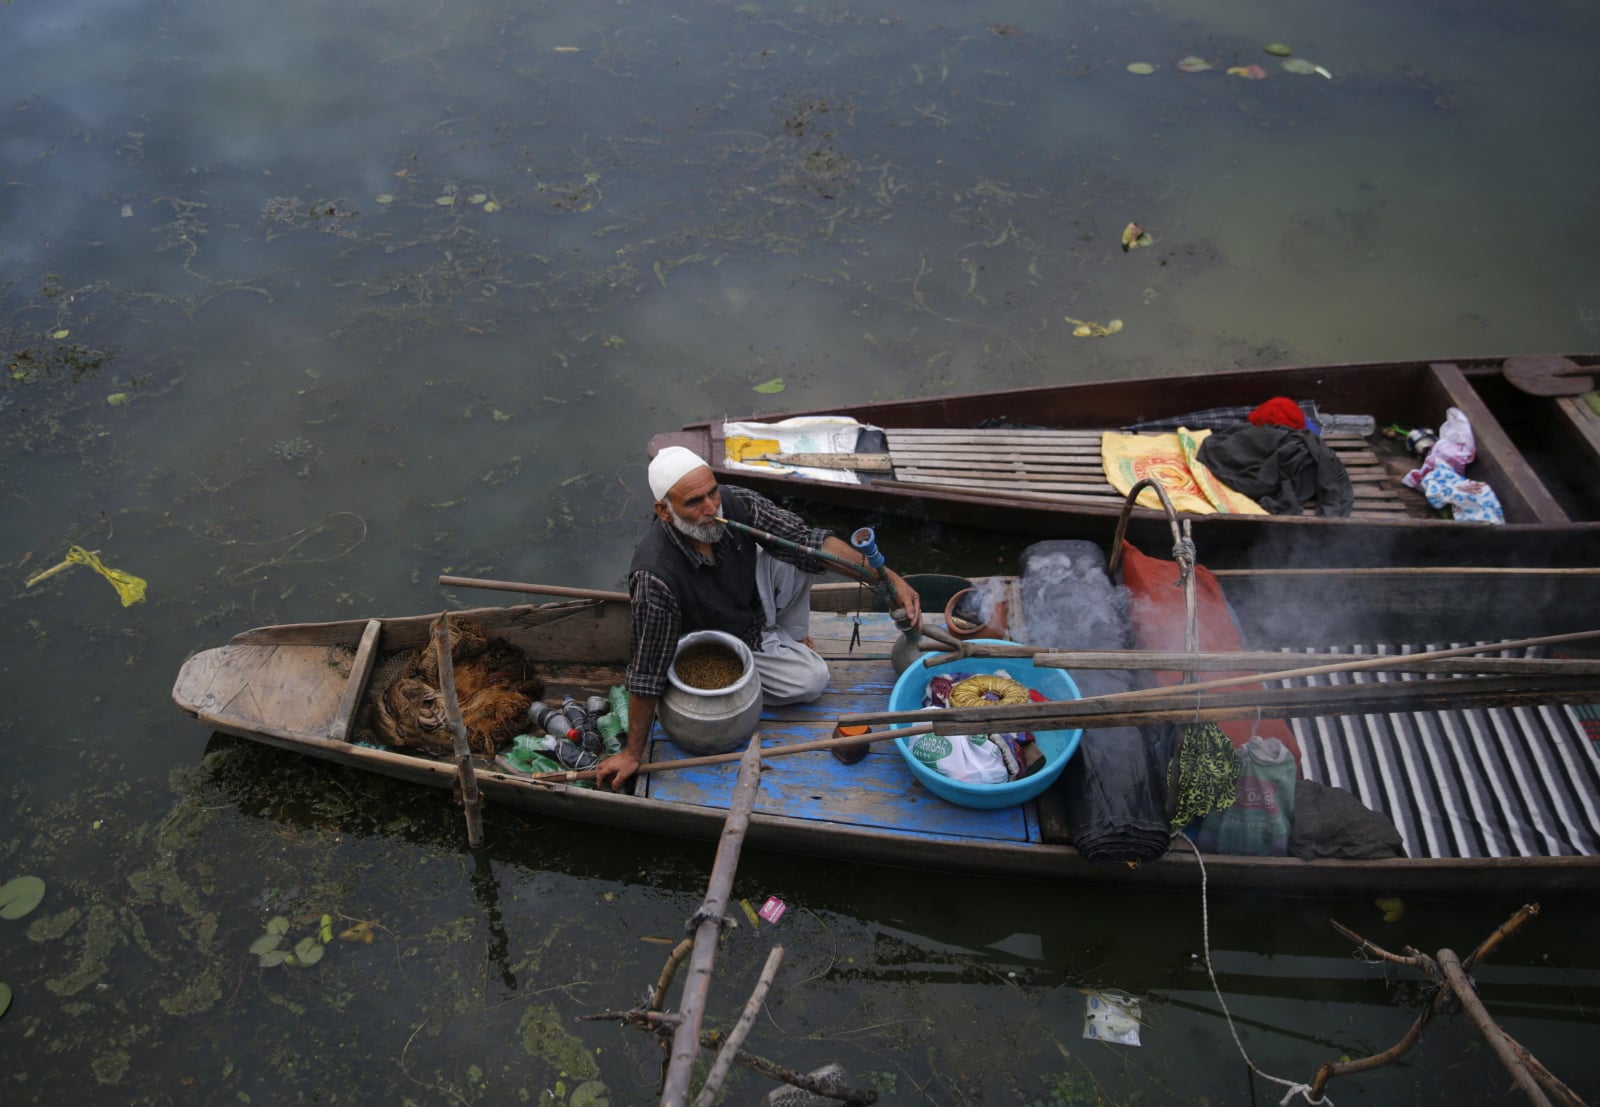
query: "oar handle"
535, 589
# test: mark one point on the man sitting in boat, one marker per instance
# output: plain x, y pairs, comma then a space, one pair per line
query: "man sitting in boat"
692, 572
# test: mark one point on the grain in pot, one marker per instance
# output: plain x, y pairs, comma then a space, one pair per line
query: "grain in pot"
708, 666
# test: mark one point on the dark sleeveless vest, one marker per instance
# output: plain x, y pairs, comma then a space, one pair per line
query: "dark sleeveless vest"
711, 597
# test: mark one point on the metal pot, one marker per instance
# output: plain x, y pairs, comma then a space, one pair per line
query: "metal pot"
711, 720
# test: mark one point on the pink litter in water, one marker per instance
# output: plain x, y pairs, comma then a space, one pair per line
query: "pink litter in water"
773, 909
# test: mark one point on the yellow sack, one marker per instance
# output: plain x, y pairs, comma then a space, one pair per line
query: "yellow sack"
742, 447
1170, 459
128, 586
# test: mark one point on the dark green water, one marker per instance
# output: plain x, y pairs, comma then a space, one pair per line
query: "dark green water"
254, 356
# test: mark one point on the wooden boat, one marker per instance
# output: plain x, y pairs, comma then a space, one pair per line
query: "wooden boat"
302, 687
1028, 461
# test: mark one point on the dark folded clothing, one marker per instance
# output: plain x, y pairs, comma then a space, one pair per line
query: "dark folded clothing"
1279, 468
1330, 822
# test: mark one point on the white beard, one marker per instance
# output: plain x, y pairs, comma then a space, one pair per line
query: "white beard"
709, 533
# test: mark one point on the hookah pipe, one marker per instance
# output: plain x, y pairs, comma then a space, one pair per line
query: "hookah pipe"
865, 541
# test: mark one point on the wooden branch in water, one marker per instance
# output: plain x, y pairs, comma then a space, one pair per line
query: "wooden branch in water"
741, 1030
1448, 969
710, 1039
708, 923
458, 732
1375, 949
1459, 983
670, 969
1501, 933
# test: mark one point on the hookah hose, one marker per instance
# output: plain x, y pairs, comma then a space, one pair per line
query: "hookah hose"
863, 540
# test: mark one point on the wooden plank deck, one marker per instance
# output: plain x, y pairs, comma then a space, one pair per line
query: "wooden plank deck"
1065, 466
878, 791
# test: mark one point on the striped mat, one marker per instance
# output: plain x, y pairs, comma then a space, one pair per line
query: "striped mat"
1501, 782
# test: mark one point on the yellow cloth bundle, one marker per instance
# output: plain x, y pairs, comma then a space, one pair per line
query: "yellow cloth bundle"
1171, 459
978, 691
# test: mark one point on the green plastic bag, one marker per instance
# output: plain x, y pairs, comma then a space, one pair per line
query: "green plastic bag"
1262, 814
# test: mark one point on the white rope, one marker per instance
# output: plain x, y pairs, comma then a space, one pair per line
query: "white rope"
1294, 1089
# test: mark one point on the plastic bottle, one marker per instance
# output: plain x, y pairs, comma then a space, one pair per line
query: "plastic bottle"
1346, 424
550, 720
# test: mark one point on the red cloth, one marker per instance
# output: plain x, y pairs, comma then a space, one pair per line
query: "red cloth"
1155, 606
1280, 411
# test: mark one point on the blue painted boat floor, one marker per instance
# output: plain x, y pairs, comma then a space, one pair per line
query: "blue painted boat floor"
878, 792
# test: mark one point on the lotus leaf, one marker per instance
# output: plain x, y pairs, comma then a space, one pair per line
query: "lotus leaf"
274, 957
491, 207
5, 997
19, 896
444, 201
1277, 49
119, 399
772, 387
277, 925
307, 952
1193, 64
1141, 69
477, 197
385, 197
1298, 65
266, 942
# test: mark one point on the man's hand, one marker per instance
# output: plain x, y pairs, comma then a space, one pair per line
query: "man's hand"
907, 596
615, 771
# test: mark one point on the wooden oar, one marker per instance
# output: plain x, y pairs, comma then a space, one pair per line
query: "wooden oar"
1548, 375
838, 741
535, 589
458, 732
1021, 715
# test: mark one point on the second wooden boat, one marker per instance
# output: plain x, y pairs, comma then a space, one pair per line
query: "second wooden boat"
1029, 461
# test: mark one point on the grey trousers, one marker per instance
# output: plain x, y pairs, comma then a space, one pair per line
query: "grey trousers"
790, 670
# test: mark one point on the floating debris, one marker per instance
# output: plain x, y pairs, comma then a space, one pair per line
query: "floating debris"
1141, 69
1082, 328
1134, 236
1322, 72
1250, 72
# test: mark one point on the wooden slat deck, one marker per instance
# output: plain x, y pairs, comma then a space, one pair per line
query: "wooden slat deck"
876, 792
1065, 466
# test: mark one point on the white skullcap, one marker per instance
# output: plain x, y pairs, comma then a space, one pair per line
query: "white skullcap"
670, 466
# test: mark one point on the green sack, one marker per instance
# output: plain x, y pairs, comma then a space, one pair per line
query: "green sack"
1262, 814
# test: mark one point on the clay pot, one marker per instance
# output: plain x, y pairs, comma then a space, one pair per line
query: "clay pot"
963, 603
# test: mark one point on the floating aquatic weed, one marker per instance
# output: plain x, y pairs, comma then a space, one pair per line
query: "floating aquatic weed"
292, 449
19, 896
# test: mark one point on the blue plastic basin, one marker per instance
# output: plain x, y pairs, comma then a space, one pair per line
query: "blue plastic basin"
1056, 745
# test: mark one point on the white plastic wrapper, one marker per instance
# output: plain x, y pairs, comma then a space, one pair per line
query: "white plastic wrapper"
971, 759
1111, 1017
